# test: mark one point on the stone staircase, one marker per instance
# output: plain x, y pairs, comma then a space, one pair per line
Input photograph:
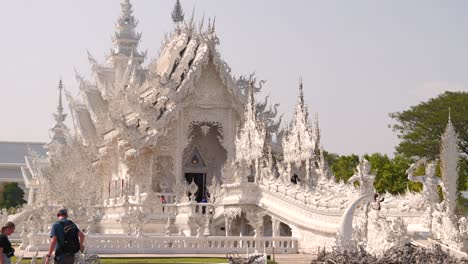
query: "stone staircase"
294, 258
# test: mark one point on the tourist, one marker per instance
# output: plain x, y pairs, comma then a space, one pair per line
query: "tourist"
163, 202
203, 200
67, 239
295, 179
376, 203
5, 246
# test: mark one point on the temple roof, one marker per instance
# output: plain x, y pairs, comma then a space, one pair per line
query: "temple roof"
14, 152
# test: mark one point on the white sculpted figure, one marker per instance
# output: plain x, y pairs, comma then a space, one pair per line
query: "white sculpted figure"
364, 177
383, 233
430, 181
463, 226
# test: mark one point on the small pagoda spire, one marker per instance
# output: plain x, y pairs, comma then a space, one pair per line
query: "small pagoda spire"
59, 131
125, 39
177, 13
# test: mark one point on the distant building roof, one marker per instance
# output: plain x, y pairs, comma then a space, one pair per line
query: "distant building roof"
11, 175
14, 152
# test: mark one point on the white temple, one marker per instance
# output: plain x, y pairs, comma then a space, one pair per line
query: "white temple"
177, 156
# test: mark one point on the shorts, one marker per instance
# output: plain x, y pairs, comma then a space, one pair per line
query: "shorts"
6, 259
65, 259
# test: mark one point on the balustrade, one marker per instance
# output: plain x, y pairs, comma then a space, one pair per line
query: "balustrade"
123, 244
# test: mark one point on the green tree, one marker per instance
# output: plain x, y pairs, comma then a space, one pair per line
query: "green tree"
421, 127
391, 173
343, 166
11, 195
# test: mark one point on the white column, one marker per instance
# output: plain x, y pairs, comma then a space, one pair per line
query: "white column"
180, 144
275, 223
31, 195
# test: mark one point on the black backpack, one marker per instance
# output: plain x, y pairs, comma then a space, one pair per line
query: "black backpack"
71, 242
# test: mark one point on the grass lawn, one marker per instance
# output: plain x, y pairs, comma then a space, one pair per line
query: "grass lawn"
151, 260
163, 260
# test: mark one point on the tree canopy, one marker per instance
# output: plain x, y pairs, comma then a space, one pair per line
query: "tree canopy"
420, 128
11, 195
342, 166
390, 173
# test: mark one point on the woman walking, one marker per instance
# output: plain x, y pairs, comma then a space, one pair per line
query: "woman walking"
6, 250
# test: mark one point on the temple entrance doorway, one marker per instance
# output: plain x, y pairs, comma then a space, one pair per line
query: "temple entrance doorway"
204, 156
200, 181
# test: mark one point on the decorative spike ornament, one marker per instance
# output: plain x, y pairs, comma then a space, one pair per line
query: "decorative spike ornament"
449, 156
251, 138
213, 26
177, 13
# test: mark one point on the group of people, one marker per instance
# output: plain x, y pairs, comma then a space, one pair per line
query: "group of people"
66, 240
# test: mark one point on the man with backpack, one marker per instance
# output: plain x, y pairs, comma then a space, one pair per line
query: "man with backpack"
66, 239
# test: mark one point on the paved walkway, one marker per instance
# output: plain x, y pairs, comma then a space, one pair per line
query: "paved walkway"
294, 258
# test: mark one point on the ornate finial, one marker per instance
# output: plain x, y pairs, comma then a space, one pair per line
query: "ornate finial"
58, 132
177, 14
60, 106
126, 18
301, 92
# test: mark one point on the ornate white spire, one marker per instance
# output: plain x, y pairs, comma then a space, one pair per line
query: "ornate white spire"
316, 133
301, 93
59, 131
298, 142
177, 13
126, 40
251, 138
449, 156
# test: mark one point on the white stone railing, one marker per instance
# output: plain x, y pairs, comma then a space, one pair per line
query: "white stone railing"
194, 209
151, 244
295, 206
169, 198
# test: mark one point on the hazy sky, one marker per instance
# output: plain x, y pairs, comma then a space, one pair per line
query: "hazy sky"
359, 60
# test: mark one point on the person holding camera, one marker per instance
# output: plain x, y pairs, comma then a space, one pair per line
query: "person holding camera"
6, 249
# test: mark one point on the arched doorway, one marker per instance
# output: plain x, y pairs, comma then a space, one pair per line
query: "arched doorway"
204, 157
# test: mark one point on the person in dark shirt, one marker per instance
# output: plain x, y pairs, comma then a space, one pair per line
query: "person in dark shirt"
6, 249
295, 179
57, 235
